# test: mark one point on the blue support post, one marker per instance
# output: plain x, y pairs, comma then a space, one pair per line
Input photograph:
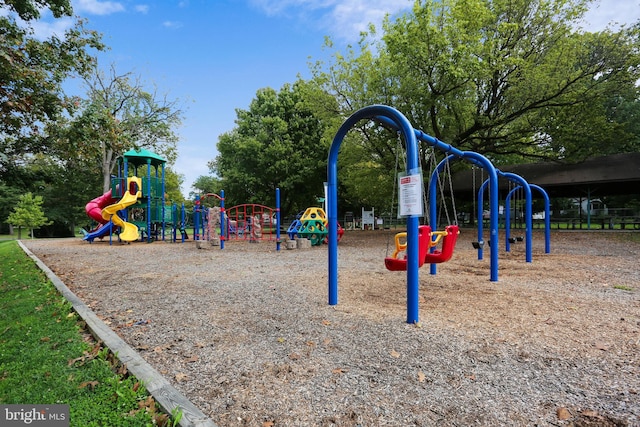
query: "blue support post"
183, 217
547, 213
223, 229
148, 200
277, 219
492, 183
196, 218
527, 214
164, 224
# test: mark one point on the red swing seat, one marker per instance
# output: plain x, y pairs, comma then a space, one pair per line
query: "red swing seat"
400, 264
448, 244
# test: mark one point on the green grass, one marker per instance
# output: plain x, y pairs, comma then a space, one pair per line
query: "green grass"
25, 236
47, 357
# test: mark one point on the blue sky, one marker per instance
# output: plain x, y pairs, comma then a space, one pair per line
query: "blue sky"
213, 55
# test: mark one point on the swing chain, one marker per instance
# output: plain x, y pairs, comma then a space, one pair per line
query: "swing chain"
453, 199
395, 180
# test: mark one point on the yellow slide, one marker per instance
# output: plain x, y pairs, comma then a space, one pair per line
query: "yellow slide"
129, 232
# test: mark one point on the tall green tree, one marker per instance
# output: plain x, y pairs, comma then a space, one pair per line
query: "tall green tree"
29, 10
28, 213
118, 114
277, 142
613, 125
172, 182
32, 71
66, 187
206, 184
483, 75
31, 75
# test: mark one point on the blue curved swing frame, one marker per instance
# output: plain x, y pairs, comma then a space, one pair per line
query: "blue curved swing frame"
393, 118
401, 123
547, 221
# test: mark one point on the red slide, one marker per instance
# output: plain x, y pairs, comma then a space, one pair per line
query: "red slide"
94, 207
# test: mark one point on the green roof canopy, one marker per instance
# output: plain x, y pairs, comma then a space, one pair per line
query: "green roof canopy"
142, 157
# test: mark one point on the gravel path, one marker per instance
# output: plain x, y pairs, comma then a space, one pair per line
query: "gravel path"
247, 335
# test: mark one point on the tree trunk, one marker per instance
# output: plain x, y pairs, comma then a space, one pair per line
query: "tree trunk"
108, 164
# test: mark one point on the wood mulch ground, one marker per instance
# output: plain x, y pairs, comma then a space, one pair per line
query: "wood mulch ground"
247, 335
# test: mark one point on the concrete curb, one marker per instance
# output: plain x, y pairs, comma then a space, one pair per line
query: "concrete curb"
162, 391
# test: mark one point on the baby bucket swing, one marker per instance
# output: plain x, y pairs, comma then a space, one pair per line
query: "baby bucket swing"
428, 240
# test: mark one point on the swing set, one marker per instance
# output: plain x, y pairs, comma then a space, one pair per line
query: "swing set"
393, 119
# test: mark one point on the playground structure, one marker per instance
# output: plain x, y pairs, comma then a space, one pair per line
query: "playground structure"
313, 225
135, 203
250, 222
207, 221
409, 198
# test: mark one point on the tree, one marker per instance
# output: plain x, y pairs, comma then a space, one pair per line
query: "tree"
31, 75
28, 10
483, 75
28, 213
66, 187
206, 184
172, 183
277, 142
8, 197
117, 115
613, 125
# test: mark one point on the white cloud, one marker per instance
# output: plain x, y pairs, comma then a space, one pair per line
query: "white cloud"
604, 13
142, 8
43, 30
349, 18
344, 19
172, 24
95, 7
46, 27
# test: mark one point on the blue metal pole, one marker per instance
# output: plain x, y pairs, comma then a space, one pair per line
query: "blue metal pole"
433, 193
492, 179
196, 218
547, 217
164, 224
183, 225
547, 213
223, 229
478, 159
277, 219
148, 200
528, 214
469, 156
